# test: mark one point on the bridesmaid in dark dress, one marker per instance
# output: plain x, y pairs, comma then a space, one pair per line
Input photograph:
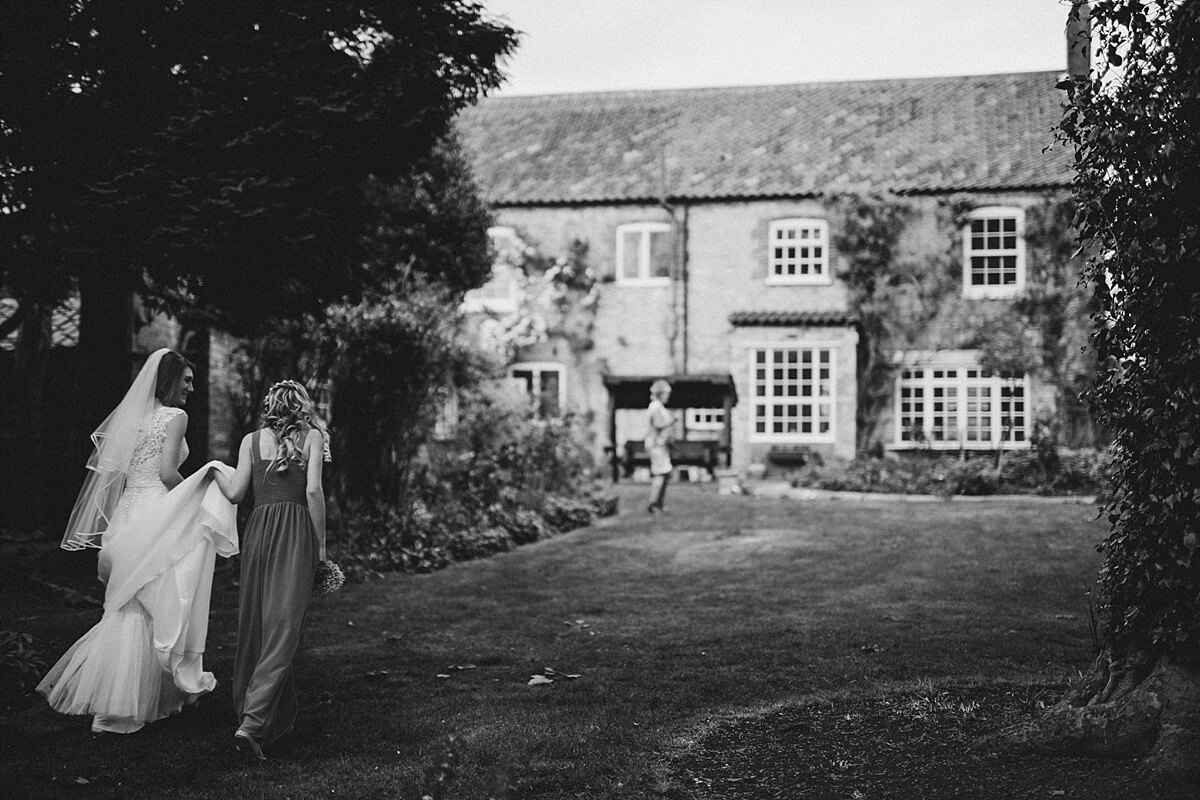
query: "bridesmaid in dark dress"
283, 542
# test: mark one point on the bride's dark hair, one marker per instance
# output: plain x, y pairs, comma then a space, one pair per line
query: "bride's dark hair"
289, 413
170, 373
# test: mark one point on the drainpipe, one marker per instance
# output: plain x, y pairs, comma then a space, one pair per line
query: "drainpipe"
1079, 39
679, 283
684, 277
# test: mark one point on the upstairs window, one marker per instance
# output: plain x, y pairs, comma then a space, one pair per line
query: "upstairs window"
544, 384
798, 251
644, 254
502, 293
994, 252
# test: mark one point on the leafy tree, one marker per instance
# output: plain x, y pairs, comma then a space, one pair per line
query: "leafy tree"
382, 359
1135, 128
222, 158
225, 160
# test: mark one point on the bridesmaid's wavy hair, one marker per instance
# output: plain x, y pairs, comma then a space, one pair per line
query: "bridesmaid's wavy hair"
289, 413
171, 368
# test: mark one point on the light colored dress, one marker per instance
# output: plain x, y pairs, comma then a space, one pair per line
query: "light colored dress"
144, 659
279, 562
658, 437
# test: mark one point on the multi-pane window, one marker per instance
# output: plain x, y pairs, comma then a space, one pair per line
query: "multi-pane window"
446, 423
544, 385
793, 393
994, 252
644, 253
961, 407
798, 251
705, 419
502, 293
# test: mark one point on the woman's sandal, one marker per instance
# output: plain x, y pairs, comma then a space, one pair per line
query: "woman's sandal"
249, 748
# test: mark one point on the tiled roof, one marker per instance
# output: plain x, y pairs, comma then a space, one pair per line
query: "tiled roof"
799, 318
984, 132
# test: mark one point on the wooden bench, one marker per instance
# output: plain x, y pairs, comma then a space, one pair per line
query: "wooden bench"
704, 453
789, 455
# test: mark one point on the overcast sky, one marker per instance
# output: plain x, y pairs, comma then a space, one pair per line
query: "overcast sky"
598, 45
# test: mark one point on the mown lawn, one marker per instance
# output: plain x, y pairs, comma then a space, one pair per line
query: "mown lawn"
725, 607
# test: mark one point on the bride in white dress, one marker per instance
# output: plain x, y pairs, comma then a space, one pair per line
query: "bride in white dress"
158, 536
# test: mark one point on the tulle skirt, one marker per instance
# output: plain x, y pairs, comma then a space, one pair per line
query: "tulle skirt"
114, 673
144, 659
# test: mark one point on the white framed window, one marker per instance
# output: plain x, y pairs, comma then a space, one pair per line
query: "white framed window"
507, 245
994, 252
705, 419
502, 292
446, 423
644, 254
500, 295
947, 402
793, 388
544, 383
798, 251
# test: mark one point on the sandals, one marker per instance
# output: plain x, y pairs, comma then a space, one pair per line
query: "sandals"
250, 749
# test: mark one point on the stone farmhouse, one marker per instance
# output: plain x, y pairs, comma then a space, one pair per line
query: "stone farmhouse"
725, 230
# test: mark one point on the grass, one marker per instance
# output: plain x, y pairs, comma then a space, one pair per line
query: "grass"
727, 608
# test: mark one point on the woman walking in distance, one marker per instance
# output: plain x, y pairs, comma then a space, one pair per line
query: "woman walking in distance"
283, 542
659, 423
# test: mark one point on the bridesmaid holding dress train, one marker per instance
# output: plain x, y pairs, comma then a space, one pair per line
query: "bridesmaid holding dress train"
283, 542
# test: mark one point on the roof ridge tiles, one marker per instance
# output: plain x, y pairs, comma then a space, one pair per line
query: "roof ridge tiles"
760, 87
907, 135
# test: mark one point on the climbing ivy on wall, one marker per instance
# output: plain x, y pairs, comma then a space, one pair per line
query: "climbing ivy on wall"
559, 297
867, 236
909, 301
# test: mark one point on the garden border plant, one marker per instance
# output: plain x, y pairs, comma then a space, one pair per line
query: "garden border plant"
898, 300
1134, 128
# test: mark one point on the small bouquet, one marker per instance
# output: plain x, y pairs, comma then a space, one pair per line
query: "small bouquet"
329, 578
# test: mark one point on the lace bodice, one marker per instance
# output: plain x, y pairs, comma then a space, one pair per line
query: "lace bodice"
143, 466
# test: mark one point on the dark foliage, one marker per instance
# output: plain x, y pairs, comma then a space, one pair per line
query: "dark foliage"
223, 157
383, 362
505, 479
1066, 472
21, 668
1136, 139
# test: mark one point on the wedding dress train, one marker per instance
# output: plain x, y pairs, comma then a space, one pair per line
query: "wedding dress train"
144, 659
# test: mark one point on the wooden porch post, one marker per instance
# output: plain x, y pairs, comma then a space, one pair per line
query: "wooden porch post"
612, 434
727, 404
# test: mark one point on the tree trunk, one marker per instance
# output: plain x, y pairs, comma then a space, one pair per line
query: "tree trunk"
194, 345
105, 337
21, 432
1150, 712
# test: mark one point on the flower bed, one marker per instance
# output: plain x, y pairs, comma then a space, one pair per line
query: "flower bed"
1060, 472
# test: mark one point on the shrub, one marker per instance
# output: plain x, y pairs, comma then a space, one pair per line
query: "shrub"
506, 478
567, 513
373, 539
1022, 472
464, 545
21, 668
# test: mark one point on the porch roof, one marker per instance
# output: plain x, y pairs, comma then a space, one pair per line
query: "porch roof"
694, 390
792, 318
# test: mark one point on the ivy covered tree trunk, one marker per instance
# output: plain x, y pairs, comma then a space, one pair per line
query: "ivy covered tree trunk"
1136, 134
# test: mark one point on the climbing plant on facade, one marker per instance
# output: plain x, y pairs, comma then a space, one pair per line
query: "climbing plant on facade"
1135, 130
558, 297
